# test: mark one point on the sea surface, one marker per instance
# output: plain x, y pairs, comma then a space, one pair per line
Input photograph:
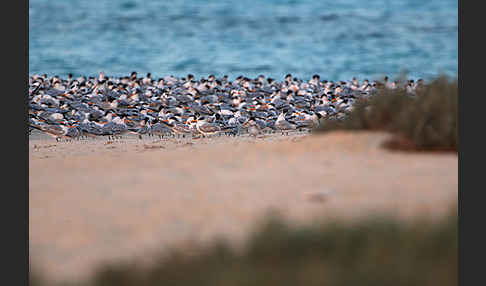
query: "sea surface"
335, 39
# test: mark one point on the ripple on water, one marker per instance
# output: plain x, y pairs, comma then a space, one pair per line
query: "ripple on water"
272, 37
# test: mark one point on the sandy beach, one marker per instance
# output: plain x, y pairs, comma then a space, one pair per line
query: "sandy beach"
98, 200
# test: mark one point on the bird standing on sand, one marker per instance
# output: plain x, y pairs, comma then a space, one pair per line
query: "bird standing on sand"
207, 128
159, 129
58, 131
177, 127
310, 121
252, 127
283, 124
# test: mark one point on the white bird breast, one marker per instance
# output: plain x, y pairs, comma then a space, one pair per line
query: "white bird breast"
56, 116
226, 112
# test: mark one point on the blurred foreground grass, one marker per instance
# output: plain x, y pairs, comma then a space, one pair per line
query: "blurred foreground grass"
373, 251
426, 121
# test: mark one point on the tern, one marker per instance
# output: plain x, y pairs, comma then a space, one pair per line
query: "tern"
283, 124
252, 127
208, 128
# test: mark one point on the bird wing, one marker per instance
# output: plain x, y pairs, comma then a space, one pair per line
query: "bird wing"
180, 128
53, 129
209, 128
284, 125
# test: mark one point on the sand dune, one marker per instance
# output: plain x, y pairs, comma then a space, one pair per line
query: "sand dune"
92, 201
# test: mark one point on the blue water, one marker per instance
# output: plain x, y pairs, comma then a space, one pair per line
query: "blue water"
336, 39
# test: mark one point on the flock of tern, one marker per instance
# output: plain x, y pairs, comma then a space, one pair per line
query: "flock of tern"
79, 108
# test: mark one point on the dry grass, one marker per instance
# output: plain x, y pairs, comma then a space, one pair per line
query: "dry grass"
373, 251
427, 121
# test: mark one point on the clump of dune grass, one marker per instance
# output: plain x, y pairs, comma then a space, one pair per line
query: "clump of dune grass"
373, 251
426, 121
